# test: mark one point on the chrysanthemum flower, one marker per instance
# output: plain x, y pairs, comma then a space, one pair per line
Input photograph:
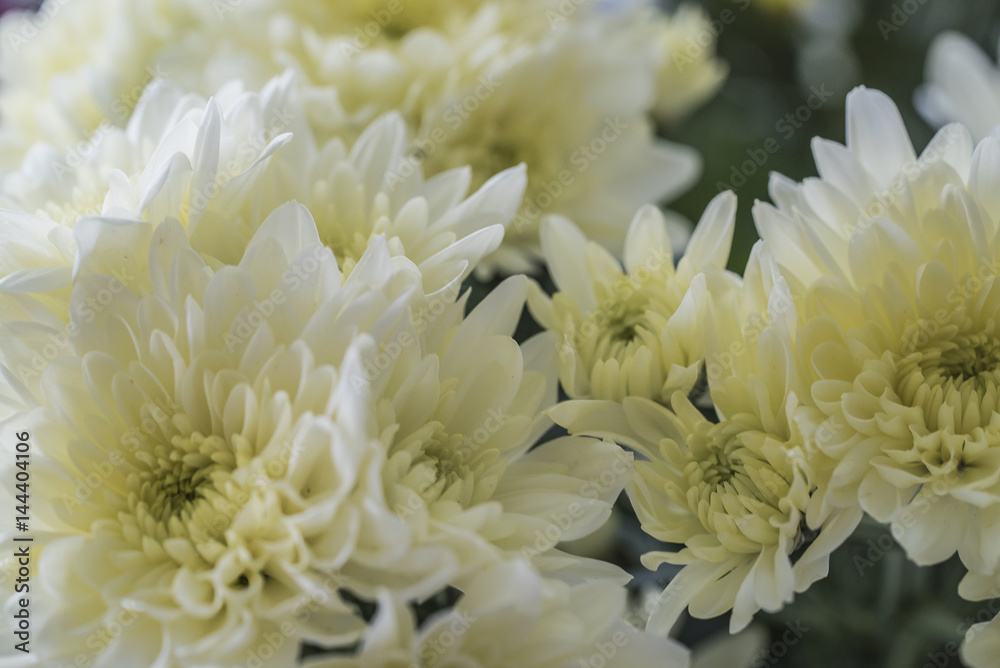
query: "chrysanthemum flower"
963, 84
895, 261
735, 493
220, 443
206, 165
573, 109
208, 458
181, 158
478, 83
458, 417
375, 188
509, 616
638, 331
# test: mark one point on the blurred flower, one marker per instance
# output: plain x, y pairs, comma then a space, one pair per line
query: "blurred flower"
982, 639
735, 494
689, 72
509, 616
486, 84
573, 109
963, 84
982, 645
211, 165
743, 650
894, 260
641, 331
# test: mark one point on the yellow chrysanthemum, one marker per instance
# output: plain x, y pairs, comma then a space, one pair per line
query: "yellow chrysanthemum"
735, 493
895, 259
638, 331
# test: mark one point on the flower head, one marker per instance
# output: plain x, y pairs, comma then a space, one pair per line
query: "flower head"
210, 462
734, 493
264, 431
895, 260
213, 166
637, 330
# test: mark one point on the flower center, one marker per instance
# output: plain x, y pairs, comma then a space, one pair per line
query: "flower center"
443, 466
721, 465
953, 369
971, 357
618, 327
179, 487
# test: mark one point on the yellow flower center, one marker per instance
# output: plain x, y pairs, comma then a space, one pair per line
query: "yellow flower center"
181, 489
443, 466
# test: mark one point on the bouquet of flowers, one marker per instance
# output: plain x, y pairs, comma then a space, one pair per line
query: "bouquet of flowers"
354, 333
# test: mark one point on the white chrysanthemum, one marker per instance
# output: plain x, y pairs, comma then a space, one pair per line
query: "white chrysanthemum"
181, 157
896, 261
982, 645
375, 188
963, 84
207, 451
735, 493
484, 84
70, 66
509, 617
214, 453
206, 164
641, 331
458, 417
